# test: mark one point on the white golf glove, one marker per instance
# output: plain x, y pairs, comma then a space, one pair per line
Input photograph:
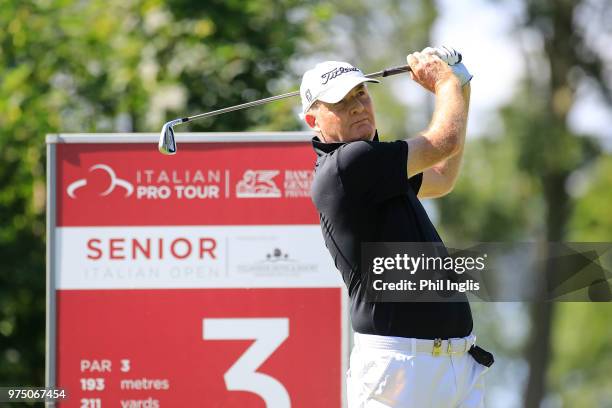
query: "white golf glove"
453, 58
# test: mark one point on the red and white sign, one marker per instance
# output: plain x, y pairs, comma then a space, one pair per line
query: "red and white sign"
199, 279
205, 184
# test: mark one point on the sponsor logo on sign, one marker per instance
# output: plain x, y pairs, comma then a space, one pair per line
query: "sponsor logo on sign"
180, 184
258, 184
192, 184
277, 263
298, 183
149, 184
278, 256
115, 182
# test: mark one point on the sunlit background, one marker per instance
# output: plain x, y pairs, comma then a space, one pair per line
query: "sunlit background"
537, 166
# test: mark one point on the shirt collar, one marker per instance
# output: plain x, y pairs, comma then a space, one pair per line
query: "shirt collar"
322, 148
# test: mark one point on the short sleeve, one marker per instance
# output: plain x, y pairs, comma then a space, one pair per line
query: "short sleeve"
375, 171
415, 182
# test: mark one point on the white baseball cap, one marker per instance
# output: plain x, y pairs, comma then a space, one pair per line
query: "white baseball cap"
329, 82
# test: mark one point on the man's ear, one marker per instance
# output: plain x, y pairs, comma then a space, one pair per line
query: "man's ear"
311, 121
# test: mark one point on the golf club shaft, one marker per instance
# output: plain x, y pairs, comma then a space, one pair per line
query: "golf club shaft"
167, 142
384, 73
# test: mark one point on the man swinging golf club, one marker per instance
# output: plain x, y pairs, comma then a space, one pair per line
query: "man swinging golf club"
406, 354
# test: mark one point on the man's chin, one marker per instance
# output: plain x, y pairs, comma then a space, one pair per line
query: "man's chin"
364, 138
366, 134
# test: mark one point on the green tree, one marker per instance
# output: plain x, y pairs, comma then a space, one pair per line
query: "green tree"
113, 65
582, 351
550, 152
533, 163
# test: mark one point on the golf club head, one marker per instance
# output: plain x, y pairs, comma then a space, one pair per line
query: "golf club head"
167, 144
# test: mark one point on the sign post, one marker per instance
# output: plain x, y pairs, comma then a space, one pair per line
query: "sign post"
200, 279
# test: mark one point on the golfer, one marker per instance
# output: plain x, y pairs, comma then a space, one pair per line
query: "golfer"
406, 354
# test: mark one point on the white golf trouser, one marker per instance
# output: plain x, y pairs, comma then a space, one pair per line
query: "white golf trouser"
394, 372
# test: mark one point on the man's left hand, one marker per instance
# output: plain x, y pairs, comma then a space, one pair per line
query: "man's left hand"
453, 58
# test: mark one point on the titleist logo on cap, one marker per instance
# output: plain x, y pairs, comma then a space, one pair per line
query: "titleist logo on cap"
326, 77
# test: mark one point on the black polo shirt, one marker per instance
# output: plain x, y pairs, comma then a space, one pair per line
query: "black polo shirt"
363, 194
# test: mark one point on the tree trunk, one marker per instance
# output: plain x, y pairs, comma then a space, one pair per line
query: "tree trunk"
538, 353
539, 348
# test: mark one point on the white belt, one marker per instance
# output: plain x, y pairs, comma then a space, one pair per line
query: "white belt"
437, 347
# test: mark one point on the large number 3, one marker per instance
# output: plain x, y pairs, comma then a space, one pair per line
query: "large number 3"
268, 334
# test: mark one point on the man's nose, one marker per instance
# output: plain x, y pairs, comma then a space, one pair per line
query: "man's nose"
356, 106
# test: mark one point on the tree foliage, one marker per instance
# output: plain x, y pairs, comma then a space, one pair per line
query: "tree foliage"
114, 65
535, 161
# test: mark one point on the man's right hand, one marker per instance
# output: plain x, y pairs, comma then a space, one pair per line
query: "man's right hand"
429, 71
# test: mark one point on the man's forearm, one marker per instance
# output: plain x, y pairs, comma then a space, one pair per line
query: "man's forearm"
449, 119
449, 168
441, 139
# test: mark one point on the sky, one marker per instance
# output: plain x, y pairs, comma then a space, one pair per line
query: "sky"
493, 52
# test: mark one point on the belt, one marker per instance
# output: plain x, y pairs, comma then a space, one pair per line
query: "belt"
436, 347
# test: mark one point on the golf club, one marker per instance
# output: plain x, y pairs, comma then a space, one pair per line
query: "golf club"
167, 143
